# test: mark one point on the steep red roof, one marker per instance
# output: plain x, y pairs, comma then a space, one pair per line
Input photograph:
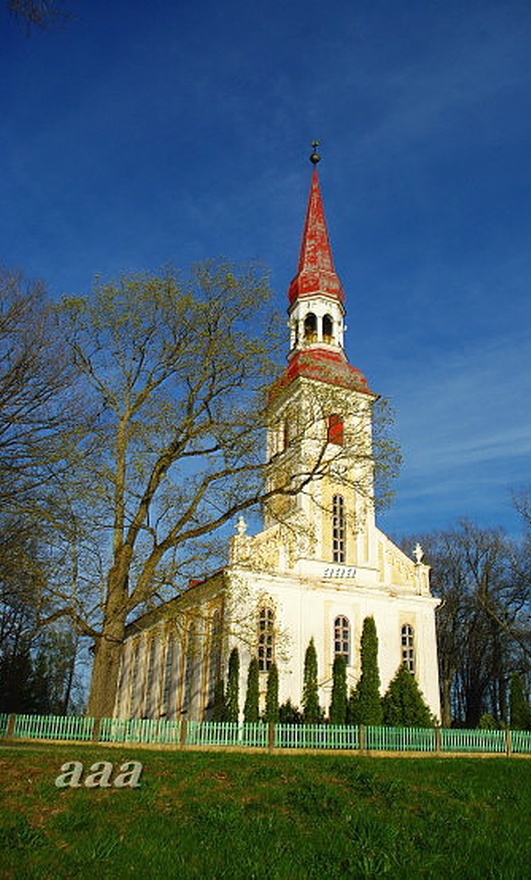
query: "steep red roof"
322, 365
316, 271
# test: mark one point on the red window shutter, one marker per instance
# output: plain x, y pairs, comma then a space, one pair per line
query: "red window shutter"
336, 432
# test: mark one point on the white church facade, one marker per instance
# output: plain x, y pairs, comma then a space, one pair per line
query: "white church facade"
320, 565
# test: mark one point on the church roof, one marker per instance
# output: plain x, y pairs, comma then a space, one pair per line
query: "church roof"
316, 276
323, 365
315, 272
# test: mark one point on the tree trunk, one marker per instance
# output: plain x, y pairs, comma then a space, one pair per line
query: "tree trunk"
104, 681
446, 704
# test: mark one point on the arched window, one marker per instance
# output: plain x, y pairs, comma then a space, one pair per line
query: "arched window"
266, 637
150, 707
335, 431
338, 529
189, 672
168, 707
310, 328
135, 679
328, 329
342, 637
214, 669
408, 647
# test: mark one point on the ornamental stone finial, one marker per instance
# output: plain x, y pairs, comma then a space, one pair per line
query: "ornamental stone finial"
418, 553
241, 527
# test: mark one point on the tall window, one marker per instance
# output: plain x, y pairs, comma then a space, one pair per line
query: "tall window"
408, 647
167, 687
151, 683
328, 329
189, 672
342, 637
214, 669
266, 638
335, 431
134, 680
338, 529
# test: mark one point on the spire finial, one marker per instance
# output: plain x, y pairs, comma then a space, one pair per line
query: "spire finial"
315, 157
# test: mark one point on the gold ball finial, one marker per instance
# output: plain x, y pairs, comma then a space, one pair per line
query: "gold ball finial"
315, 157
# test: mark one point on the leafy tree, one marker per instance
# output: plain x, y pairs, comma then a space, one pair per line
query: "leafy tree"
310, 696
251, 710
403, 704
272, 707
338, 706
366, 703
232, 697
519, 708
178, 377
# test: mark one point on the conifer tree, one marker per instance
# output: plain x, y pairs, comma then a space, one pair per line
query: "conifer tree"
338, 705
520, 710
310, 696
352, 713
251, 712
367, 698
219, 712
403, 703
271, 710
232, 706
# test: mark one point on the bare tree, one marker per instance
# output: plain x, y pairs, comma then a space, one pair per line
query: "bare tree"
484, 621
37, 411
39, 13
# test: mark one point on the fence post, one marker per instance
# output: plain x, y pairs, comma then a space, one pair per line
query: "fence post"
184, 725
508, 742
362, 733
271, 735
96, 730
11, 721
437, 739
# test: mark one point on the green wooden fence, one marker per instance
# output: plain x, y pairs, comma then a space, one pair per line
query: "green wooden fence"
282, 736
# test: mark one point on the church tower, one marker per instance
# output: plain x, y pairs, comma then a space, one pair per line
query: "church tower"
320, 414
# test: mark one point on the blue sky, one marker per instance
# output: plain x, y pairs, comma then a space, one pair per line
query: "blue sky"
143, 133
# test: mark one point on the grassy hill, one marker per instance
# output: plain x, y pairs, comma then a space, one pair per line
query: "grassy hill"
291, 817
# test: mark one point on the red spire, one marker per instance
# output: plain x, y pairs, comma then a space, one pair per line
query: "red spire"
315, 273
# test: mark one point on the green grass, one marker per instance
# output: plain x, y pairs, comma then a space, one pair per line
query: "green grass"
293, 817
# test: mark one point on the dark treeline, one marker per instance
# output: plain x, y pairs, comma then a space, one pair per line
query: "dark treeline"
483, 579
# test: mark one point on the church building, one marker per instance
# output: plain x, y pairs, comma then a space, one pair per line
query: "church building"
320, 565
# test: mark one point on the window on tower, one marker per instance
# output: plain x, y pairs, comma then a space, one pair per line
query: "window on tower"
310, 328
266, 637
342, 638
408, 647
338, 529
328, 329
335, 430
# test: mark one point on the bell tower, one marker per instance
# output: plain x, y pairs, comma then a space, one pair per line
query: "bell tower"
316, 297
319, 432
